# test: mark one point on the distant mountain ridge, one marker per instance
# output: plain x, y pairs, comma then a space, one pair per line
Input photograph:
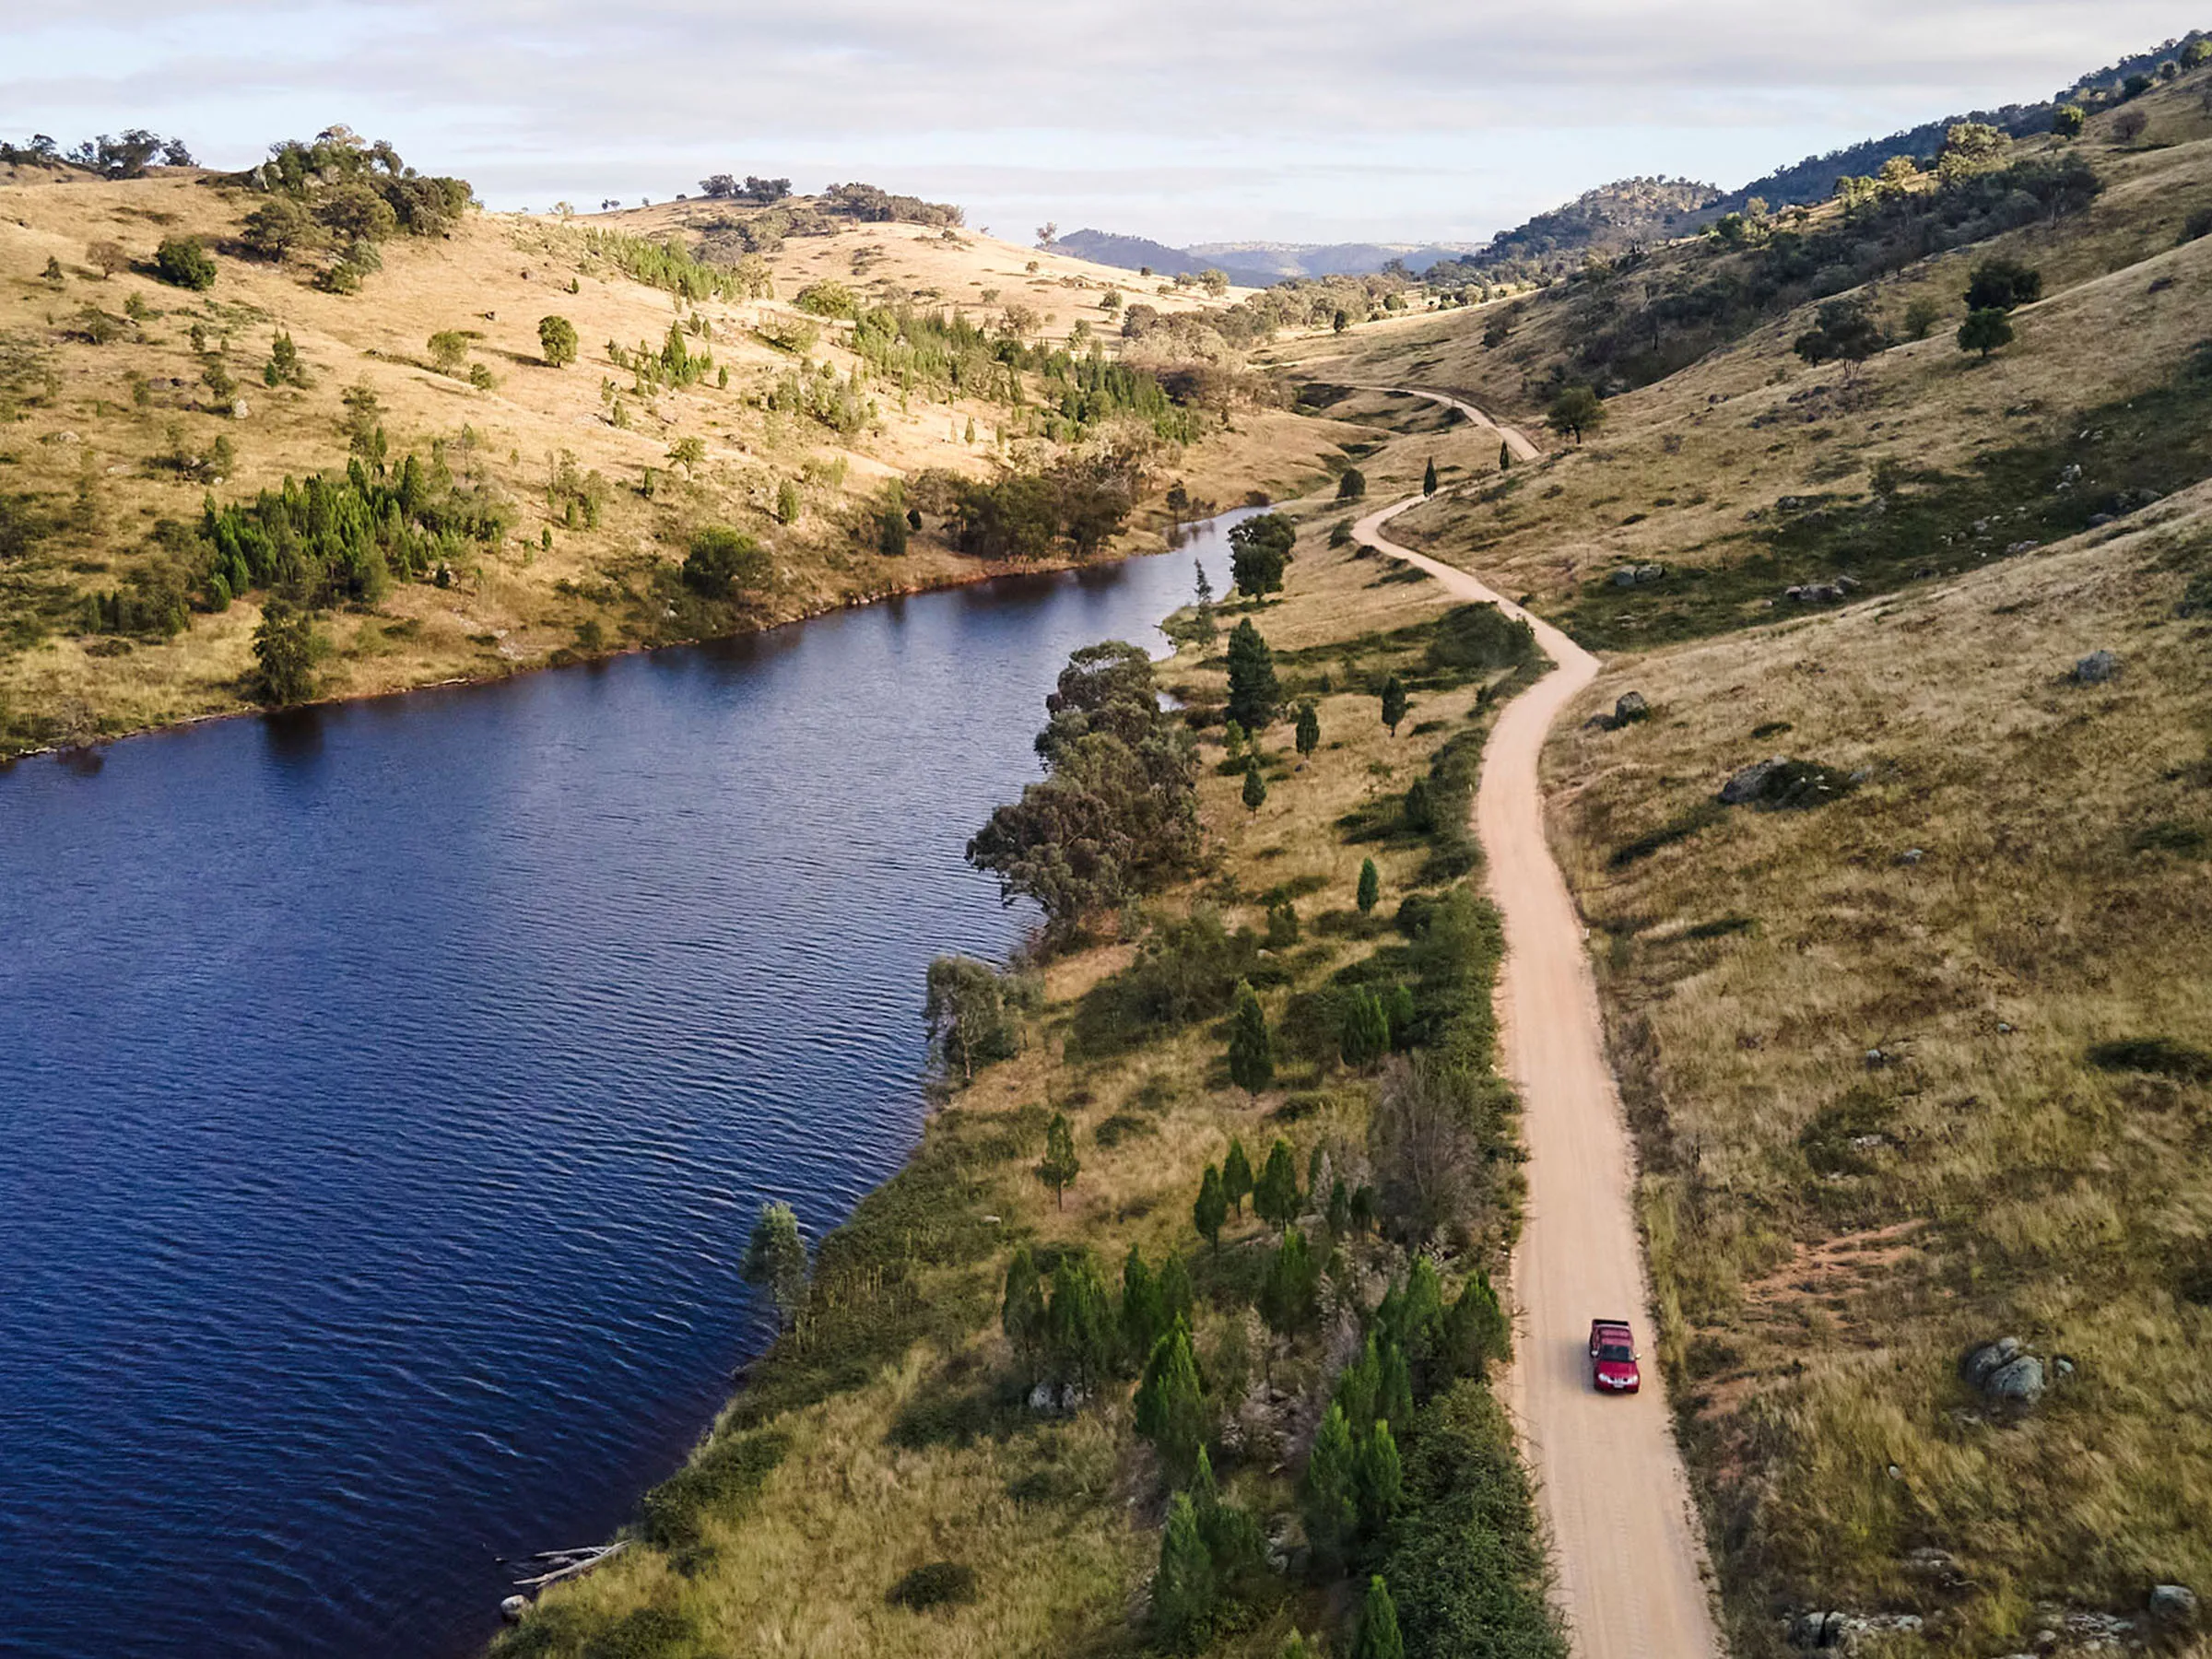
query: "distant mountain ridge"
1255, 263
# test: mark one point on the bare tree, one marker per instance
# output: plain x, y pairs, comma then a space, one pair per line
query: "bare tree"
1427, 1139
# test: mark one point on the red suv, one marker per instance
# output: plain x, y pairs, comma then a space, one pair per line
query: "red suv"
1613, 1356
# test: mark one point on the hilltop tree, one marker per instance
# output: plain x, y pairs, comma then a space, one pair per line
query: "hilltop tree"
2068, 119
775, 1260
557, 341
1393, 703
1170, 1406
1985, 331
1970, 147
283, 655
1254, 794
1576, 412
1211, 1207
1275, 1194
1236, 1175
1371, 886
1309, 729
1060, 1166
1429, 478
1251, 1048
1253, 692
1259, 549
1022, 1312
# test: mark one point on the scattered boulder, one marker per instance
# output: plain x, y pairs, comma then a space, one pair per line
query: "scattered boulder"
1816, 593
1638, 575
1630, 708
2097, 668
513, 1607
2173, 1607
1785, 786
1848, 1633
2004, 1371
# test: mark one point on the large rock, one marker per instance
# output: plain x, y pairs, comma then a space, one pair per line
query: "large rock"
1750, 783
1630, 708
2097, 668
2173, 1605
2004, 1370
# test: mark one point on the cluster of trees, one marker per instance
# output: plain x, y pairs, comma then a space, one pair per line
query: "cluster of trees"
1078, 504
337, 197
765, 193
338, 536
1069, 1334
870, 205
837, 402
723, 564
126, 156
1116, 814
670, 265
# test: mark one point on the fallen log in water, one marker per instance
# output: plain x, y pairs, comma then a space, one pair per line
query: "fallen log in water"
568, 1563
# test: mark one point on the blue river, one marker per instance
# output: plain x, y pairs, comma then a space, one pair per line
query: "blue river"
386, 1091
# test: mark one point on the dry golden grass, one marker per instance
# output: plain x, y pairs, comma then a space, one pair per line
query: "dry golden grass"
806, 1567
80, 426
2006, 1186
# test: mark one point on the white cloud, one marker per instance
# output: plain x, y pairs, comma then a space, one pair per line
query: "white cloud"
1293, 118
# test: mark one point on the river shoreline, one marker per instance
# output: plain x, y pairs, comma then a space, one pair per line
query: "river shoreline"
569, 657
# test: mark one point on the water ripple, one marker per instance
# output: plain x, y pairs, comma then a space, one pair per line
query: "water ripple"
387, 1090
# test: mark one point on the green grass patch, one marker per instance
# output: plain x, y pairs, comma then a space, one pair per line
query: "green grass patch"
2161, 1056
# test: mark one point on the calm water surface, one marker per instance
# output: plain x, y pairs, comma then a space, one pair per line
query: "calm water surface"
386, 1092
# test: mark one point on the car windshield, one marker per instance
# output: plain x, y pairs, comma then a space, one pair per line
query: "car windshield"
1616, 1353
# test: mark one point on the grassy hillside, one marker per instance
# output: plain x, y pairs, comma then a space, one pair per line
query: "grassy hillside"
881, 1485
1917, 1045
560, 503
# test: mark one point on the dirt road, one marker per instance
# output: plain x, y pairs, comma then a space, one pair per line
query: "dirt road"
1612, 1487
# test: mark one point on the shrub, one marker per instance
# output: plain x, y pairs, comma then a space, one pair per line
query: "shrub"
727, 1471
2162, 1056
1352, 485
827, 300
2002, 284
724, 562
935, 1585
180, 260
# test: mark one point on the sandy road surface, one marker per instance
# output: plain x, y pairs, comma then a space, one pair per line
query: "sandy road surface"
1612, 1487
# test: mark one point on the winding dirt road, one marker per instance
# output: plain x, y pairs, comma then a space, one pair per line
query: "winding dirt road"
1628, 1546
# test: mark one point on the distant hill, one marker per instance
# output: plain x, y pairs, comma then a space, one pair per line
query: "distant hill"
1605, 220
1254, 264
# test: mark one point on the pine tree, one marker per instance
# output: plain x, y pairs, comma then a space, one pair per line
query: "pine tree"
1393, 703
1340, 1210
1275, 1194
1393, 1385
1232, 1537
1176, 1297
1022, 1314
1400, 1010
1184, 1591
1309, 728
1381, 1478
1255, 786
1236, 1177
1329, 1495
1211, 1209
1171, 1411
775, 1259
1505, 457
1254, 692
1356, 1388
1080, 1323
1429, 478
1143, 1322
1365, 1036
1289, 1295
1370, 885
1251, 1050
1476, 1330
1060, 1166
1379, 1637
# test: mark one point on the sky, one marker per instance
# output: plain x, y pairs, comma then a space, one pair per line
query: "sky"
1182, 120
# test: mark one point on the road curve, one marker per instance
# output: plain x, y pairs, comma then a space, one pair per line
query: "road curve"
1515, 440
1629, 1550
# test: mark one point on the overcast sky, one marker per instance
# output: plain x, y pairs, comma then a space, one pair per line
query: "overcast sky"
1185, 120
